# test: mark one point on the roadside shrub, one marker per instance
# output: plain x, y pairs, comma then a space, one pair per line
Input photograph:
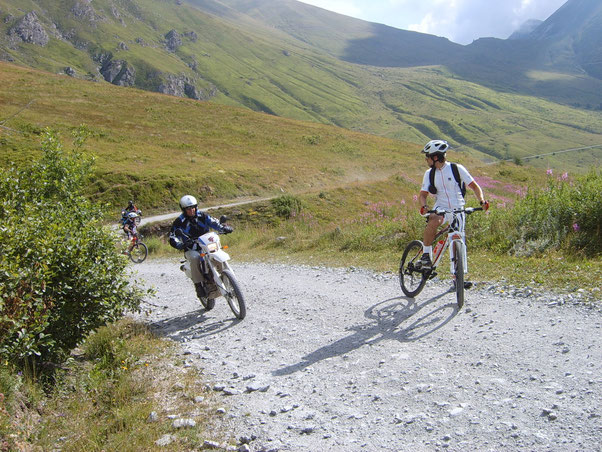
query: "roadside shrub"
566, 214
286, 205
60, 274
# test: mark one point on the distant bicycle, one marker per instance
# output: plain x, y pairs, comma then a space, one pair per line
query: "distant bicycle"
412, 278
139, 250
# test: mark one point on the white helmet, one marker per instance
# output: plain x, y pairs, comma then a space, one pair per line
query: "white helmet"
132, 215
435, 146
187, 201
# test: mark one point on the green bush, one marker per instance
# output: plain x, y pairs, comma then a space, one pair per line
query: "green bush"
60, 274
564, 215
286, 206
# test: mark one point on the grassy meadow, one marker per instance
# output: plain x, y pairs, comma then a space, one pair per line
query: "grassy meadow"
153, 147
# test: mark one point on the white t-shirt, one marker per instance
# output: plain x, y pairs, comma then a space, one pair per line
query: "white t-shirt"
449, 195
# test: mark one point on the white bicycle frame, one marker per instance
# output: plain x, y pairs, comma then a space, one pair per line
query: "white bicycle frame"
453, 236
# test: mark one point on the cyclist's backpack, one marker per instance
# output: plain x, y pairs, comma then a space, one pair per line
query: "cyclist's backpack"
456, 174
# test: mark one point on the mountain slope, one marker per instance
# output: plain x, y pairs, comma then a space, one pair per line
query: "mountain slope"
346, 38
241, 57
509, 65
573, 36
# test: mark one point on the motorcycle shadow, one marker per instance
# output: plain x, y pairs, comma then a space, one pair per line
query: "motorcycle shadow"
192, 325
387, 322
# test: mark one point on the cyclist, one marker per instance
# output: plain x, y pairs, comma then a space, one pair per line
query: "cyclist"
188, 227
130, 228
447, 182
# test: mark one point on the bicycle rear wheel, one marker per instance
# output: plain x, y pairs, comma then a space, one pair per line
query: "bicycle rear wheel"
458, 273
411, 280
138, 253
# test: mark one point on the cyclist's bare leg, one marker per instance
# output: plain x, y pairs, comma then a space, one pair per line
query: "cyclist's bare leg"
434, 222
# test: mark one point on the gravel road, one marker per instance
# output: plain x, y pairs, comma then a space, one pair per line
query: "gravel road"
339, 360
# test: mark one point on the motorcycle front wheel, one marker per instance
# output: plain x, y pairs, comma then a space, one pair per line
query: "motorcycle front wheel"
208, 303
234, 295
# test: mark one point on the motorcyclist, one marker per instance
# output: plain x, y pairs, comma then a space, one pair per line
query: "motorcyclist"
131, 207
188, 227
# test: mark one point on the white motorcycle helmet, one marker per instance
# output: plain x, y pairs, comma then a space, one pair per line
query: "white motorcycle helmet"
187, 201
435, 146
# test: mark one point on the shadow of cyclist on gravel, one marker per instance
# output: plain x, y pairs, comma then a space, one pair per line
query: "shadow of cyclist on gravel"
386, 322
191, 325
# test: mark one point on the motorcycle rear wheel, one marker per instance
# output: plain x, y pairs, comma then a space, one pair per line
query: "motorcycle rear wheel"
234, 295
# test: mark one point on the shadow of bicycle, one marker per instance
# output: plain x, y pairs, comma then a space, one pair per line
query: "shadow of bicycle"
400, 319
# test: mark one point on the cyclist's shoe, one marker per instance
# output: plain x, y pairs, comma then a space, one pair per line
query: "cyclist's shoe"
467, 285
200, 290
425, 262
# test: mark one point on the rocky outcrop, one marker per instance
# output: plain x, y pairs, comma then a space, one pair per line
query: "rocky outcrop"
173, 40
191, 35
29, 29
82, 9
118, 72
181, 86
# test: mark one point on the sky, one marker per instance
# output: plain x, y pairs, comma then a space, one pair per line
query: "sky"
461, 21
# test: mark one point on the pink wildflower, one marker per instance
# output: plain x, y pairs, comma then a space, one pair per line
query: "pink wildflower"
549, 172
576, 227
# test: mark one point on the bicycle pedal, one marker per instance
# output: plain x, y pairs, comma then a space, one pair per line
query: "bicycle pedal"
432, 275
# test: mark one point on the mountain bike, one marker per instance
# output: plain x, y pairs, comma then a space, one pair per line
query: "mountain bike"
139, 250
412, 278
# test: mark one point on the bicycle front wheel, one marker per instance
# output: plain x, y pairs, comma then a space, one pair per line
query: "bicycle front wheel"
411, 280
459, 272
138, 253
234, 295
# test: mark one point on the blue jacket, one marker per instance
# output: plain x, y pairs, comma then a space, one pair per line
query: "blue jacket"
192, 227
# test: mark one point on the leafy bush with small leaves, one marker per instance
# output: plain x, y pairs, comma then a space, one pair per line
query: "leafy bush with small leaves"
285, 206
60, 274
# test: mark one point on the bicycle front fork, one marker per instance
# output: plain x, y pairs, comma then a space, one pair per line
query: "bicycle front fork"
462, 256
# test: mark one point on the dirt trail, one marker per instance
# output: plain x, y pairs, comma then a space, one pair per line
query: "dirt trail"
339, 360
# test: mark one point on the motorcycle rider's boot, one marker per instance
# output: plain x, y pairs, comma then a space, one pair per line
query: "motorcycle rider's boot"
200, 290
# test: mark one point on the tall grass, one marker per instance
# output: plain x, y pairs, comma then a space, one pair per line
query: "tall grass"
103, 399
566, 215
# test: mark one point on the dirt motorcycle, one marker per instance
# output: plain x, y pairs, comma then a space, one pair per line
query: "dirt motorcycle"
219, 278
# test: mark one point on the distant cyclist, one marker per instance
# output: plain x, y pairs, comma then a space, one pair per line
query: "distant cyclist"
447, 182
130, 228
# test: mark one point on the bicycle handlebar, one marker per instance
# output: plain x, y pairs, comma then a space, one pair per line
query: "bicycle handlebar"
440, 211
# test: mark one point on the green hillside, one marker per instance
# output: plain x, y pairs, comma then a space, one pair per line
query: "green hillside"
234, 58
154, 147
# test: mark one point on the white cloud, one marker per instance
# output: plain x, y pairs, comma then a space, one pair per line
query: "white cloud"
348, 8
461, 21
